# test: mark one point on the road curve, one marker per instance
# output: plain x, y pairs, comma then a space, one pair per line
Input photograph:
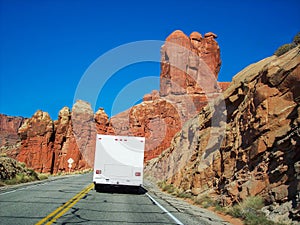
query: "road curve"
73, 201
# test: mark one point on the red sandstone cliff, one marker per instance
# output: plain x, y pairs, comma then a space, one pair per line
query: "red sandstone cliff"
37, 135
9, 139
46, 145
260, 150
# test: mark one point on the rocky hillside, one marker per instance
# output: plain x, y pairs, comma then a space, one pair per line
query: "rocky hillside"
12, 172
254, 149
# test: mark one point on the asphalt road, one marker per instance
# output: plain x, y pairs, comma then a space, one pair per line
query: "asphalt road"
73, 201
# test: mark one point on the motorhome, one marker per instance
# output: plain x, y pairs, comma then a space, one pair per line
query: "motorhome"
119, 161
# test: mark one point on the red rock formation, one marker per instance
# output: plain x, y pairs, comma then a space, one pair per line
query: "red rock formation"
189, 65
65, 146
9, 138
189, 70
47, 145
209, 51
75, 136
84, 130
156, 120
260, 152
37, 134
102, 122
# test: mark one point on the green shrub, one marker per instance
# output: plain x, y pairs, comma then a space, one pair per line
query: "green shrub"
11, 181
82, 171
21, 178
296, 39
27, 178
219, 208
183, 194
235, 211
169, 188
166, 187
284, 48
43, 176
33, 174
252, 203
249, 211
205, 201
257, 218
161, 184
22, 164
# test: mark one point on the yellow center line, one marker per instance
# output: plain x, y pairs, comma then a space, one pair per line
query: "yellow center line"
57, 213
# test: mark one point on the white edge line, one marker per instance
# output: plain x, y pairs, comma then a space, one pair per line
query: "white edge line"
166, 211
7, 192
29, 186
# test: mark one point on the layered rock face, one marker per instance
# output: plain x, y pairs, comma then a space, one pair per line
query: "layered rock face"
84, 130
102, 122
254, 149
9, 139
46, 145
37, 135
65, 145
63, 141
188, 80
189, 65
156, 120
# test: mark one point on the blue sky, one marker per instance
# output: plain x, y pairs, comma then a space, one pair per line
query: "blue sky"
47, 46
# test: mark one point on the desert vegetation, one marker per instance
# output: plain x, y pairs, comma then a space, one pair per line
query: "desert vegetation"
63, 173
249, 210
13, 172
286, 47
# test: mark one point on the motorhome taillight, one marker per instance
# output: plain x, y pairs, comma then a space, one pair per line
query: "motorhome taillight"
98, 171
137, 174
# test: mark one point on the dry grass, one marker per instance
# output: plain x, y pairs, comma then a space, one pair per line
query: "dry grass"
249, 210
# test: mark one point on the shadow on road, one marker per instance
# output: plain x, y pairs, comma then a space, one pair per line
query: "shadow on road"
120, 189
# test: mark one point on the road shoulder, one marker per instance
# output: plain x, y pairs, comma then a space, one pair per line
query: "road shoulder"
184, 210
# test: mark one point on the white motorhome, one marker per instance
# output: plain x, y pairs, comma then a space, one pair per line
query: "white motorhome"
119, 161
